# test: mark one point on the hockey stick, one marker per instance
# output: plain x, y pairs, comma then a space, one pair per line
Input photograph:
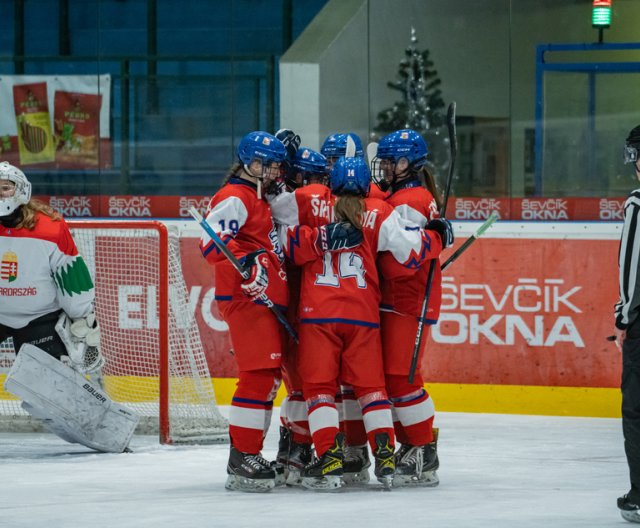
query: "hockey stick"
350, 149
244, 273
372, 152
454, 256
453, 146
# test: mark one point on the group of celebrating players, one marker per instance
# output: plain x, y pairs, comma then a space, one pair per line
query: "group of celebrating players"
347, 262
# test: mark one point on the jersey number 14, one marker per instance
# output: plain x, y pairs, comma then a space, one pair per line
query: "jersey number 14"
348, 265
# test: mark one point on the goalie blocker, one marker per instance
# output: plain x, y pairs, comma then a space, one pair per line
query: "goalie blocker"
69, 405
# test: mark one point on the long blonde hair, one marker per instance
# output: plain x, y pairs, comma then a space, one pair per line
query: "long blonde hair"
30, 211
350, 209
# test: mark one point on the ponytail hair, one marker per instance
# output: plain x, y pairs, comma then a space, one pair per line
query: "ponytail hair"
430, 184
350, 208
233, 172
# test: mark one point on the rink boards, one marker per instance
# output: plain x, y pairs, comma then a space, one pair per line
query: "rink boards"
524, 318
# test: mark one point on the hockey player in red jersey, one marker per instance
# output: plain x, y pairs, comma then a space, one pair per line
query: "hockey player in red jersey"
356, 454
398, 168
339, 318
295, 450
241, 217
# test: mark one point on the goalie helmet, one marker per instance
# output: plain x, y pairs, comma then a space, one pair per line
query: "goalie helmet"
632, 146
404, 143
336, 145
350, 176
22, 193
262, 146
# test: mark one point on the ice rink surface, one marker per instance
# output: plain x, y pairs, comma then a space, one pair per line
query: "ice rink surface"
495, 471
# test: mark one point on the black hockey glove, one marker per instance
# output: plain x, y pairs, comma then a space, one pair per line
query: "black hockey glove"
337, 236
443, 227
290, 140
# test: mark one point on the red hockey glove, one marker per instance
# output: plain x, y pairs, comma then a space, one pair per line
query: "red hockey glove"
256, 264
336, 237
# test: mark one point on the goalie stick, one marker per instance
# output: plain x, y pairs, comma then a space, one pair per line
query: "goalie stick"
454, 256
244, 273
453, 145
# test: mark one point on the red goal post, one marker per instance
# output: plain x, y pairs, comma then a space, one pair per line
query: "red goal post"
155, 362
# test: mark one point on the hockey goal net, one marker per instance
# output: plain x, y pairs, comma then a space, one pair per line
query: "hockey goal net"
155, 362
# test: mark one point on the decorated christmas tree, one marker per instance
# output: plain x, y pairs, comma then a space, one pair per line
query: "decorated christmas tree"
421, 107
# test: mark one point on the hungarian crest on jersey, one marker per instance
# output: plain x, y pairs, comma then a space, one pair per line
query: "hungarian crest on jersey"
9, 266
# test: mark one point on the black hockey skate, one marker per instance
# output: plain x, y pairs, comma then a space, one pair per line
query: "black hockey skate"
629, 510
356, 464
384, 457
281, 472
284, 444
401, 452
250, 473
417, 465
325, 473
300, 456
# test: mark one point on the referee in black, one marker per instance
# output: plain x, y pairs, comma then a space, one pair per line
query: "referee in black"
627, 332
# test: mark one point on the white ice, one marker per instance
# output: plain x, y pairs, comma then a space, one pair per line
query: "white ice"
495, 471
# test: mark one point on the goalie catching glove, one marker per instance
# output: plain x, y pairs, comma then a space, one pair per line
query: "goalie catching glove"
337, 236
256, 264
81, 338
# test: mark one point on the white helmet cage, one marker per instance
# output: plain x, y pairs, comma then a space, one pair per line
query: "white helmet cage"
22, 194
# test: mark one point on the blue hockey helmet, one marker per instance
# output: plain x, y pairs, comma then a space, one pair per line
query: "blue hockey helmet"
263, 146
336, 145
350, 176
404, 143
310, 162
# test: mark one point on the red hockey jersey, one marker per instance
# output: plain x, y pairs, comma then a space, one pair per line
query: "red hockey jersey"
343, 286
403, 293
244, 223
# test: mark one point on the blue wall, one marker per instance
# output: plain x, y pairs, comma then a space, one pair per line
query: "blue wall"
215, 80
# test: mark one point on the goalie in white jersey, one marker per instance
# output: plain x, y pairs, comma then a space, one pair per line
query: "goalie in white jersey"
46, 306
42, 276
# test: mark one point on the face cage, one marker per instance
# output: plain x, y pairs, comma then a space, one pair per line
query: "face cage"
21, 195
630, 154
378, 174
10, 185
265, 169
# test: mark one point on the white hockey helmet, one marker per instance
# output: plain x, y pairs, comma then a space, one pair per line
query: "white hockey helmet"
21, 196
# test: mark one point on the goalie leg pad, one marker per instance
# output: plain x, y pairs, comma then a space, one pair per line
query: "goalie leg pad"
68, 403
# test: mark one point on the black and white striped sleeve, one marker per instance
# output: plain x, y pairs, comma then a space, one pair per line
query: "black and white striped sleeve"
628, 307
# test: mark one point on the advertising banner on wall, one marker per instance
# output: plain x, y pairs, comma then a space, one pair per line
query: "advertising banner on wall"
472, 209
55, 121
515, 311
